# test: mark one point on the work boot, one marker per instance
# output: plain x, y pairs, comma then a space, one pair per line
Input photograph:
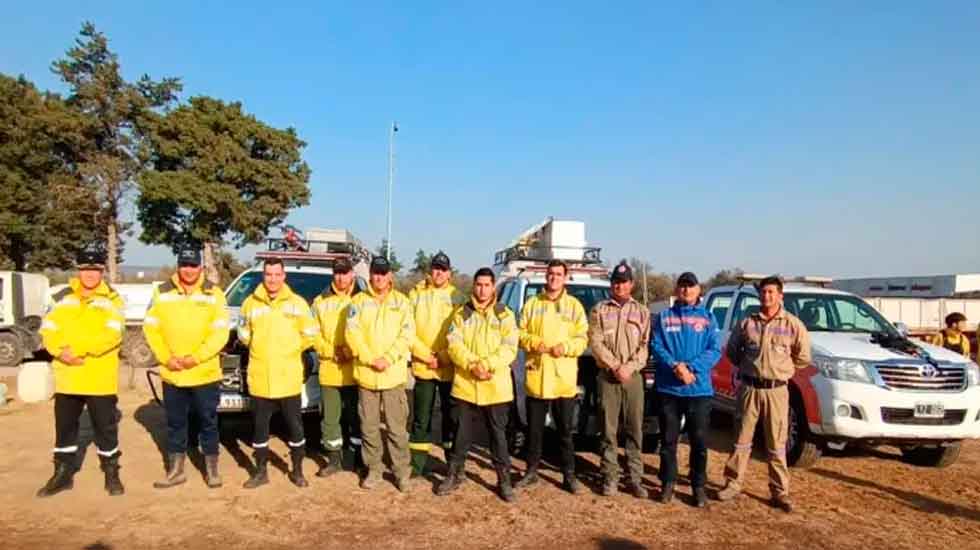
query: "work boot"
334, 464
452, 481
110, 465
261, 474
728, 493
296, 474
636, 488
782, 503
504, 487
700, 498
211, 475
666, 494
610, 487
571, 484
530, 478
404, 484
62, 480
175, 473
370, 481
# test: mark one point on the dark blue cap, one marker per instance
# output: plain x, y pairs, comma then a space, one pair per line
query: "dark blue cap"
622, 272
441, 261
189, 255
90, 259
380, 265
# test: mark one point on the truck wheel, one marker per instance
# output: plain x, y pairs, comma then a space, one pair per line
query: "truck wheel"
11, 349
803, 450
932, 457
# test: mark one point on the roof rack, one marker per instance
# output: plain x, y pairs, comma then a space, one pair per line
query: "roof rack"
295, 250
543, 254
823, 282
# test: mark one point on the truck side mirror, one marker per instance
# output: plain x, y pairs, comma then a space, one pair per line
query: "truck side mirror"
902, 328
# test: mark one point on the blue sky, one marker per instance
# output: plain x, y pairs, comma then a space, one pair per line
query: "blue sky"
834, 138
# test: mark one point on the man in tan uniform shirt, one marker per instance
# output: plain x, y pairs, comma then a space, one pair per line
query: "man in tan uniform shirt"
766, 348
619, 333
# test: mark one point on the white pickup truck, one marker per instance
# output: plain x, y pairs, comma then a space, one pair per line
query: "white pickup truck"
868, 382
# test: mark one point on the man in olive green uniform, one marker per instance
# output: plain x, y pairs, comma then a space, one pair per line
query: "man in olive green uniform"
766, 348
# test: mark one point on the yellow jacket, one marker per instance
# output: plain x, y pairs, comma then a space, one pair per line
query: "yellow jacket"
195, 324
489, 336
93, 328
276, 331
378, 329
553, 322
433, 310
958, 343
330, 312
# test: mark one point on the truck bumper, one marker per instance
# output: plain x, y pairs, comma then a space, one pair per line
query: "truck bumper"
853, 410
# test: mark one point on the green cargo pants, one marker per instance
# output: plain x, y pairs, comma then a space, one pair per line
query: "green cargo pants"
420, 440
340, 417
616, 398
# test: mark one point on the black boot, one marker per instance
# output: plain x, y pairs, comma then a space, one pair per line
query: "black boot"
571, 484
261, 474
503, 484
212, 477
110, 465
334, 464
175, 473
296, 474
62, 480
666, 494
530, 477
453, 480
700, 498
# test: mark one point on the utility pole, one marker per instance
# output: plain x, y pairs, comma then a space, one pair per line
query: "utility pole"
391, 183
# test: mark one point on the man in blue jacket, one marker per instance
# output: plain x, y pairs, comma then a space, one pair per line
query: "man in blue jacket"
685, 345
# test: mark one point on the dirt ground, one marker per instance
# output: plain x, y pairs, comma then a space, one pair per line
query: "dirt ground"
853, 499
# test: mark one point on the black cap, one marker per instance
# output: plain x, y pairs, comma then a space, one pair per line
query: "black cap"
687, 279
441, 261
189, 255
622, 272
90, 259
342, 265
380, 265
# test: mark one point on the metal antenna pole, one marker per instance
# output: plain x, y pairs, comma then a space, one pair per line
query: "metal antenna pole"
391, 184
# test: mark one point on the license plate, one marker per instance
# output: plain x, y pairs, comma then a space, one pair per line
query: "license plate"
930, 410
231, 402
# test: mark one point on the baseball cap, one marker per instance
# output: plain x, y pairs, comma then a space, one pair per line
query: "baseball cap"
189, 255
441, 261
687, 279
622, 272
90, 259
342, 265
380, 265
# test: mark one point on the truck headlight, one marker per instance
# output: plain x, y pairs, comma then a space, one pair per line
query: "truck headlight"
846, 370
972, 375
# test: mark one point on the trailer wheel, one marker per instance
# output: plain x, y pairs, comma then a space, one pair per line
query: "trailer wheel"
11, 349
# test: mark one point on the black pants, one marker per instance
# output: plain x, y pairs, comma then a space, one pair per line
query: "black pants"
696, 411
290, 408
105, 422
181, 403
494, 418
563, 411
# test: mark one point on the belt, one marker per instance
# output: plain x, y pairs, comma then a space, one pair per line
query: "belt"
762, 383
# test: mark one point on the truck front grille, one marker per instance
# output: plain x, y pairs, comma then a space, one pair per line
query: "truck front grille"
890, 415
923, 377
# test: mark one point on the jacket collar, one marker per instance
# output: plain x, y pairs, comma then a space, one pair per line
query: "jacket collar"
262, 295
103, 290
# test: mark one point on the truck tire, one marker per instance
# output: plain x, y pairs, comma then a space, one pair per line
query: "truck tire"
11, 349
932, 457
803, 450
136, 351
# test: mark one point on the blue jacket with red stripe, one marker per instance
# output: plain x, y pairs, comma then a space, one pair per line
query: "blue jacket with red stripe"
685, 334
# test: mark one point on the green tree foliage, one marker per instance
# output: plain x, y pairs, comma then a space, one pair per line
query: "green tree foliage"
218, 176
45, 212
420, 266
724, 277
659, 285
115, 112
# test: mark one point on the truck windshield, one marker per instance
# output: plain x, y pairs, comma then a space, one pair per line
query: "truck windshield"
836, 313
589, 296
308, 285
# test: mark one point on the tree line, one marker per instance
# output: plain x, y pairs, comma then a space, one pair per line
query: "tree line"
78, 169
